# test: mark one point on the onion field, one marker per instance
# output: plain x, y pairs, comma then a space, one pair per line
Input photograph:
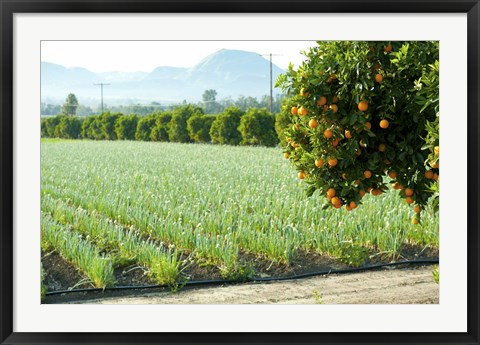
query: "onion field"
169, 208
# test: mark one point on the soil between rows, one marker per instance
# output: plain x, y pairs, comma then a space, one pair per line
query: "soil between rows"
60, 275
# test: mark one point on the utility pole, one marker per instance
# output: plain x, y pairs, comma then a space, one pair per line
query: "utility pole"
271, 79
101, 92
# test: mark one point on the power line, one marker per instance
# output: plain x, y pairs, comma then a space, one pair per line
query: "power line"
101, 91
271, 78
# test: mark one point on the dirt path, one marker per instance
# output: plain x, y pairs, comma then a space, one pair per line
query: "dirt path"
387, 286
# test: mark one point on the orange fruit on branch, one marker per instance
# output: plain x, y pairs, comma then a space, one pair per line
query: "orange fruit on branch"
328, 133
384, 124
319, 162
322, 101
331, 192
363, 106
332, 162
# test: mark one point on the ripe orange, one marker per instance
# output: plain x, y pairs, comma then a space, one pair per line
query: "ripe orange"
359, 152
416, 208
331, 192
379, 78
328, 133
408, 192
388, 48
368, 125
409, 200
335, 99
382, 147
313, 123
362, 193
435, 177
336, 201
348, 208
348, 135
414, 220
319, 162
336, 142
294, 110
302, 111
344, 176
332, 162
353, 205
333, 76
367, 173
384, 124
429, 174
392, 174
357, 182
363, 106
301, 175
436, 149
322, 101
334, 107
377, 191
286, 155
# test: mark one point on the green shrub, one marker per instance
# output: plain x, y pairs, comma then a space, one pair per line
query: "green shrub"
224, 128
69, 127
108, 121
257, 127
48, 126
178, 131
162, 125
144, 127
199, 127
126, 126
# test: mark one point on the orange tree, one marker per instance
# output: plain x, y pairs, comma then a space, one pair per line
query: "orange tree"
363, 116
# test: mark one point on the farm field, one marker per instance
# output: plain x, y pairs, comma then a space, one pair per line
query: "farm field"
136, 213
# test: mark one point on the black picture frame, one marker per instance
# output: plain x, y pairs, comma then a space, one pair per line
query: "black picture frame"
10, 7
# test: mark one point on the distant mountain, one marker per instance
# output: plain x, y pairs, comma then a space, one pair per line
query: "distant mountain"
165, 72
59, 75
230, 72
118, 76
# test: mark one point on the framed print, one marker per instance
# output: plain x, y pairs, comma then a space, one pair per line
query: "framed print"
239, 172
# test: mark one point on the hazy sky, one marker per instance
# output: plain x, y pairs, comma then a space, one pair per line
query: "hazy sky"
131, 56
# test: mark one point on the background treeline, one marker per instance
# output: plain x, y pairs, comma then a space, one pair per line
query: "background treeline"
185, 124
209, 104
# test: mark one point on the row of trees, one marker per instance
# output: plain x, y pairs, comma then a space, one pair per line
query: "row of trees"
185, 124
